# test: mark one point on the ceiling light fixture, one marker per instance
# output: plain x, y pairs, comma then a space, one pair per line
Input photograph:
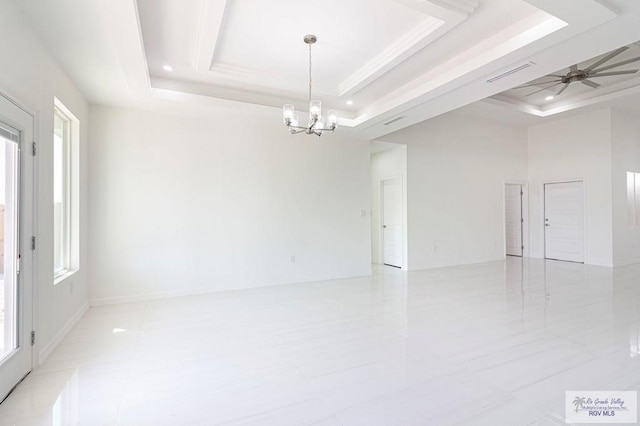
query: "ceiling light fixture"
316, 124
349, 102
167, 68
584, 76
549, 98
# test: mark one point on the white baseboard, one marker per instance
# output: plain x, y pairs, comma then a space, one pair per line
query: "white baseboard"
44, 353
452, 264
145, 297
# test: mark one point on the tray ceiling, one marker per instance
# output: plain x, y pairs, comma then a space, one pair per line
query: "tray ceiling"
399, 61
367, 50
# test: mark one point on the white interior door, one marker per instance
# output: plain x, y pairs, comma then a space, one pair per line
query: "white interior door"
513, 219
16, 213
392, 222
564, 221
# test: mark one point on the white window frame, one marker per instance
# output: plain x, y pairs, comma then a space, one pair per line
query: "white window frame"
69, 196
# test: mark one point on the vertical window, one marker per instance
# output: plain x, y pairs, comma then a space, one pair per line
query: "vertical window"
66, 190
633, 198
61, 192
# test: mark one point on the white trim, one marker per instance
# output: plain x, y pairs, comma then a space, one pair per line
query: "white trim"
526, 240
44, 353
67, 274
145, 297
455, 264
213, 19
7, 93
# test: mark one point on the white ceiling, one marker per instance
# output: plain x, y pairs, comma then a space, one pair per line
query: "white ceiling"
393, 58
546, 96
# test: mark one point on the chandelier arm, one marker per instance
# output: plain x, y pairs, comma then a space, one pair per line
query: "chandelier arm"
312, 123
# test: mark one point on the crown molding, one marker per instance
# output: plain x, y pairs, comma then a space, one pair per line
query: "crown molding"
212, 20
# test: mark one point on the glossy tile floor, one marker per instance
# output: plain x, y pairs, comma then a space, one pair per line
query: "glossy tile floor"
489, 344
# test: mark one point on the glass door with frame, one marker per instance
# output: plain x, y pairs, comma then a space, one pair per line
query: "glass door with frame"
16, 300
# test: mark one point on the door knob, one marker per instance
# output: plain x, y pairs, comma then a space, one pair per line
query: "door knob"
546, 224
384, 226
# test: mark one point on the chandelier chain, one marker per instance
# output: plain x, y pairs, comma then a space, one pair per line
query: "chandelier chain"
310, 73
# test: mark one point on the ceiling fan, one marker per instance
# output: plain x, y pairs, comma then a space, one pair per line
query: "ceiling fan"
585, 75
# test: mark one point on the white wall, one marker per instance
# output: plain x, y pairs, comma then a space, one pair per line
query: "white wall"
221, 201
626, 158
29, 73
574, 148
391, 163
457, 168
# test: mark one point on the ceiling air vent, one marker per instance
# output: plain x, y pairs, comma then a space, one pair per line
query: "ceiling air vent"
402, 117
512, 71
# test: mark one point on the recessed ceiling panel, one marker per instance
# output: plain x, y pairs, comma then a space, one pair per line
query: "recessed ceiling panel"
356, 39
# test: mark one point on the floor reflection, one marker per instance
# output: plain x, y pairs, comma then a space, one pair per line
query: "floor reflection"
492, 343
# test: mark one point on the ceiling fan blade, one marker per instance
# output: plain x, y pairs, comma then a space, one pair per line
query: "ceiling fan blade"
544, 88
607, 58
555, 75
573, 68
535, 84
607, 74
590, 83
563, 89
617, 64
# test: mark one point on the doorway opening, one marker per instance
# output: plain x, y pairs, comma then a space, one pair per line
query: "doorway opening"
514, 219
392, 222
389, 204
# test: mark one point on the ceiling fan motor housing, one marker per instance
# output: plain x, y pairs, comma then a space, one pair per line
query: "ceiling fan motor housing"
572, 76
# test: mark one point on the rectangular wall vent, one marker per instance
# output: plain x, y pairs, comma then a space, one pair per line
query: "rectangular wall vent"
402, 117
512, 71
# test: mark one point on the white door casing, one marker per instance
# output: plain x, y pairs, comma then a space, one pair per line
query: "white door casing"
513, 219
564, 221
18, 361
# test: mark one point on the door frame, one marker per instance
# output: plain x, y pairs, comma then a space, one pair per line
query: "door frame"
584, 216
401, 177
525, 215
29, 109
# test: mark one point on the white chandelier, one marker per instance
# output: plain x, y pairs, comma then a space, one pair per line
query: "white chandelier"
316, 124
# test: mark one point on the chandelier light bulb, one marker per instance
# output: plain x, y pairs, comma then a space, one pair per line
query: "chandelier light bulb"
332, 118
288, 112
315, 110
